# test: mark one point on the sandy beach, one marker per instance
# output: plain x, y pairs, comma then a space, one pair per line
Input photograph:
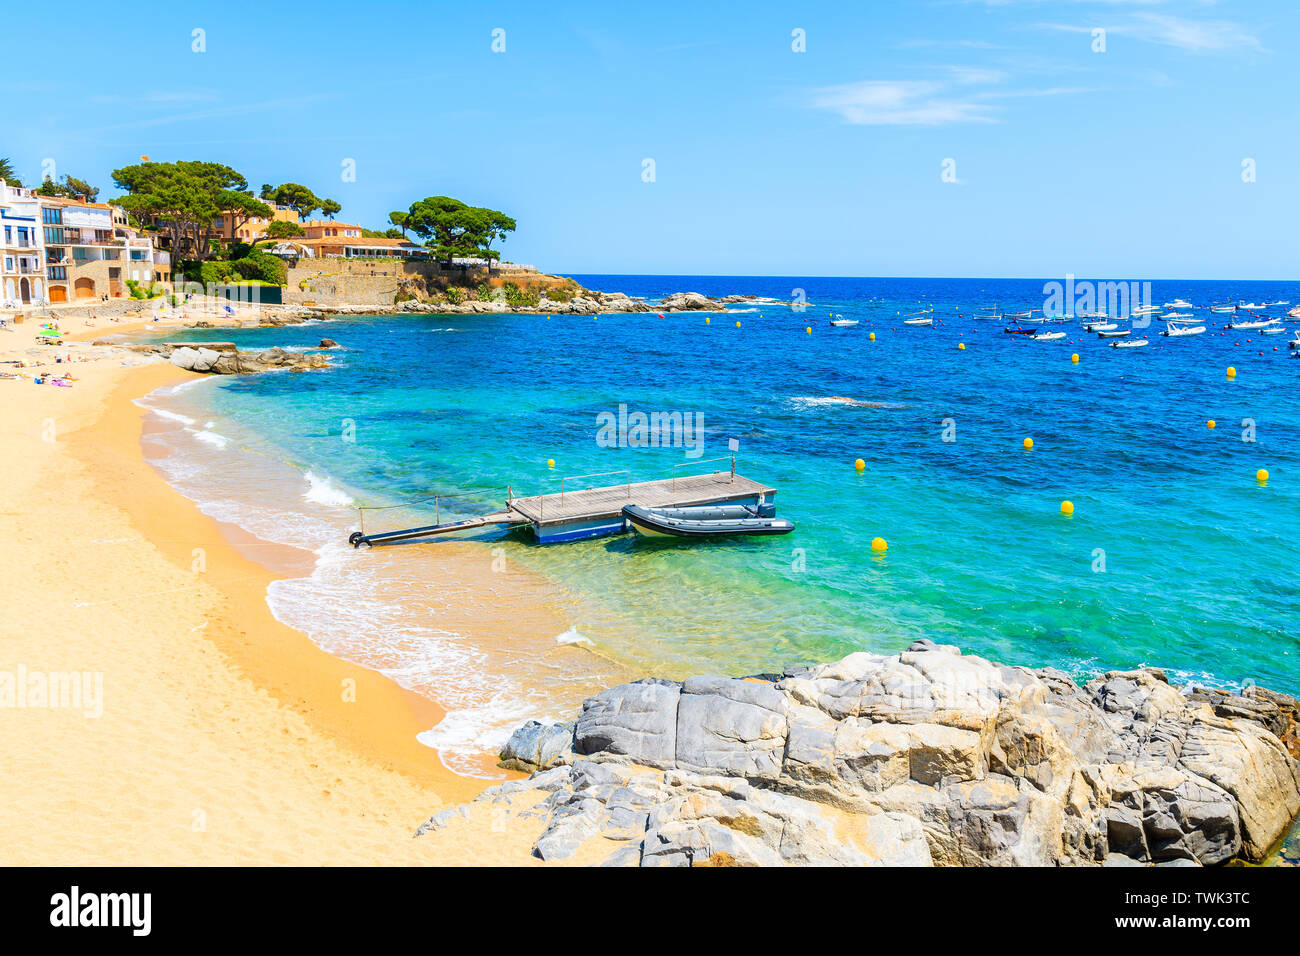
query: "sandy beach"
208, 732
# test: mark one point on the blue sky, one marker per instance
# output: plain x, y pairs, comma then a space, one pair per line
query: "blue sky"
1119, 164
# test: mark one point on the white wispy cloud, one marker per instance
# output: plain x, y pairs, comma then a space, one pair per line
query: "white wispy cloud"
1193, 36
899, 103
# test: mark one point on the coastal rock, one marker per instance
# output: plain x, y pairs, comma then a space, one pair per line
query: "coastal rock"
195, 359
924, 756
223, 359
536, 746
328, 344
731, 727
690, 302
637, 720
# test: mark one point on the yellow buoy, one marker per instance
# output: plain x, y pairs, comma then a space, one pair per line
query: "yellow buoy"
808, 329
879, 544
1261, 475
550, 463
1210, 423
1232, 371
873, 336
1075, 358
738, 323
1067, 507
707, 320
859, 464
1029, 444
962, 346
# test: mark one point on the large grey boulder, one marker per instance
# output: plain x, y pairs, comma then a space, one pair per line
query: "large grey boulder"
637, 720
536, 746
731, 727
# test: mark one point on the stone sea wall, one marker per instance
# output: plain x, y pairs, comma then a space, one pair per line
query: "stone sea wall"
929, 757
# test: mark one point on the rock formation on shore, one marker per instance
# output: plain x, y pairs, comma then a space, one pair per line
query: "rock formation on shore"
224, 358
587, 302
925, 757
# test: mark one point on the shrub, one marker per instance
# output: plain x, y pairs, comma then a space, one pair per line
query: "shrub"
518, 296
455, 294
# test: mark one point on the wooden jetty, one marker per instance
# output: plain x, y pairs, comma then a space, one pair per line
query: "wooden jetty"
583, 510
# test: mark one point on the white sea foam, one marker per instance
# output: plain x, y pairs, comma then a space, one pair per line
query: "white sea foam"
210, 437
322, 492
571, 636
830, 401
171, 416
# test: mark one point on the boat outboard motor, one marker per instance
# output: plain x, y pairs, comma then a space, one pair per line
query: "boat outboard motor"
762, 510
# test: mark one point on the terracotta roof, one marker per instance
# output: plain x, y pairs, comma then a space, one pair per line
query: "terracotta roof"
64, 201
357, 241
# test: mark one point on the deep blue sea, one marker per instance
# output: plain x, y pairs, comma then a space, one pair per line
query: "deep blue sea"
1175, 555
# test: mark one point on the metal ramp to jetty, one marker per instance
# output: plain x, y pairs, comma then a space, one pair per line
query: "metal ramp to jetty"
583, 510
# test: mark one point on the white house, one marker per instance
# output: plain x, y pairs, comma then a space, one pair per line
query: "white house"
22, 248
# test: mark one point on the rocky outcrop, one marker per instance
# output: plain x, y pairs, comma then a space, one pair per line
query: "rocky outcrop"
929, 756
223, 358
586, 302
691, 302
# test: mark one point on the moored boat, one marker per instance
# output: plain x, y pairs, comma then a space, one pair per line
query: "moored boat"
1252, 324
709, 522
1114, 334
1176, 330
1048, 336
1131, 344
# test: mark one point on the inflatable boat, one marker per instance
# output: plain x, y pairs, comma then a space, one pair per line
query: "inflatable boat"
716, 521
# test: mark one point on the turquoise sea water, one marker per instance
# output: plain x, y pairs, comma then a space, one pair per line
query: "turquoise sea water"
1175, 555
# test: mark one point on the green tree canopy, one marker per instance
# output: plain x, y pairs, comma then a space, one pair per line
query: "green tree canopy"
71, 187
453, 229
182, 199
8, 173
281, 229
300, 199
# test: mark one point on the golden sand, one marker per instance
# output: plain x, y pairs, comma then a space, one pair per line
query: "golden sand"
225, 737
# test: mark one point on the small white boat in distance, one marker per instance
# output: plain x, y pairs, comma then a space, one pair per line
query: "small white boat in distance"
1175, 316
1101, 327
1257, 306
843, 323
1048, 336
1272, 330
1114, 334
1184, 330
919, 318
1179, 304
1145, 310
1130, 344
1252, 324
1223, 309
1281, 302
